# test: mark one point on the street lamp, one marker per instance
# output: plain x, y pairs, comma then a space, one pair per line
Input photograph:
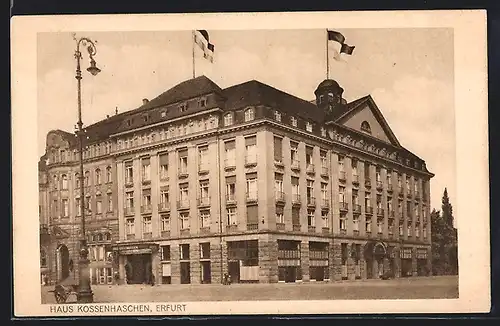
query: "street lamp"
84, 294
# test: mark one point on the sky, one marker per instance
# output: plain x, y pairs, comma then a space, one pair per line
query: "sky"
409, 72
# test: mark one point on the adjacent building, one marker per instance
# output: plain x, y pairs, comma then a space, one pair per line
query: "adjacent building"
247, 180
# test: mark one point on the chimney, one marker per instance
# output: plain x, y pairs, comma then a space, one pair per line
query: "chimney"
107, 116
144, 101
116, 110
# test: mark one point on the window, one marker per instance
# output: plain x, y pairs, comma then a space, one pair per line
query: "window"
424, 231
43, 258
129, 199
295, 216
249, 114
309, 126
400, 182
164, 196
165, 253
368, 199
98, 205
379, 201
321, 98
310, 217
231, 216
323, 159
231, 188
130, 226
408, 228
183, 161
400, 207
389, 178
163, 161
365, 126
203, 158
310, 191
417, 231
87, 179
342, 194
293, 121
63, 155
204, 218
230, 152
277, 116
146, 199
389, 205
378, 177
78, 207
183, 107
324, 219
408, 209
108, 174
368, 225
129, 173
228, 119
390, 226
146, 170
253, 214
323, 132
324, 194
205, 250
184, 194
295, 188
146, 224
280, 218
252, 186
87, 205
278, 149
278, 184
77, 180
163, 114
98, 177
294, 153
408, 184
184, 251
251, 150
355, 222
415, 185
110, 202
343, 221
65, 207
309, 159
341, 164
401, 228
204, 191
184, 220
380, 225
165, 222
202, 102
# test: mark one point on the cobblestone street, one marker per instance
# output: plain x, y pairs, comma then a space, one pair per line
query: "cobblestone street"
407, 288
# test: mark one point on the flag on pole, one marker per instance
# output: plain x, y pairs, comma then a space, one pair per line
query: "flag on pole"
339, 45
201, 38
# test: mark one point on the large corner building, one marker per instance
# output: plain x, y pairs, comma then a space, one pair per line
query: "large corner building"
248, 180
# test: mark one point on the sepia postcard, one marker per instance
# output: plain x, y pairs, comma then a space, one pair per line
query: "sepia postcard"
257, 163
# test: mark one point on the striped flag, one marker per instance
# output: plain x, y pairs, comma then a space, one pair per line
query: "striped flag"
201, 38
339, 45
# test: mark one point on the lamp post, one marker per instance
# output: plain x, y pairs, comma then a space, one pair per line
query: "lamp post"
84, 294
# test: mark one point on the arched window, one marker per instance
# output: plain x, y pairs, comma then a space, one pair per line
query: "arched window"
365, 126
64, 181
87, 178
228, 119
108, 236
249, 114
330, 97
108, 174
77, 180
55, 181
99, 237
98, 176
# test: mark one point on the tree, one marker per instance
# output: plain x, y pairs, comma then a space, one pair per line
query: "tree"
444, 239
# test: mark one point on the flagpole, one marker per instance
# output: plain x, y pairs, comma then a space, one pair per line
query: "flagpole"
193, 41
327, 57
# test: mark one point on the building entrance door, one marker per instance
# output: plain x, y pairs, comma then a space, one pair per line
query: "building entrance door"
206, 277
369, 268
139, 268
234, 270
62, 262
290, 274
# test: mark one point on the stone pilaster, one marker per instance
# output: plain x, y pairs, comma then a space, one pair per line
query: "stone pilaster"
215, 258
175, 267
195, 268
351, 272
337, 262
268, 261
414, 268
304, 260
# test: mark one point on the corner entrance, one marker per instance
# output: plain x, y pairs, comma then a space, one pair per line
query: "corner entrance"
138, 269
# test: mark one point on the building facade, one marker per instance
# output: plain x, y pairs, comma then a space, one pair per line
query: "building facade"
248, 181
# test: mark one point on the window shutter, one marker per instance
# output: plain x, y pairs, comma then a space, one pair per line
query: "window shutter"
230, 145
278, 148
250, 141
146, 192
164, 159
252, 214
231, 180
145, 161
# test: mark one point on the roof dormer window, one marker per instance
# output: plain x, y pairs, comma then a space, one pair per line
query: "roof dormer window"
202, 102
183, 107
163, 114
309, 126
228, 119
145, 118
277, 116
249, 114
293, 121
321, 98
323, 132
365, 126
